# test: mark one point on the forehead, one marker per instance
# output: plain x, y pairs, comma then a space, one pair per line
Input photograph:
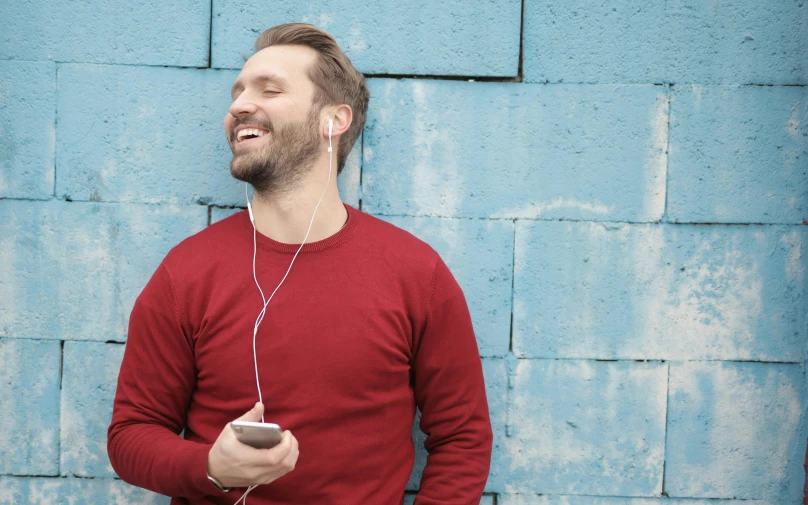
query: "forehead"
286, 64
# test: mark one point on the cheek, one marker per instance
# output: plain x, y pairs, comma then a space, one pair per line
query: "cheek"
228, 124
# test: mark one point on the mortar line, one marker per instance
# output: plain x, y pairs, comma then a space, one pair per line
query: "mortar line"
513, 282
667, 410
520, 68
210, 37
480, 78
59, 439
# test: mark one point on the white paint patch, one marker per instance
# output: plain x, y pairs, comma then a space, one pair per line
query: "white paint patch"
349, 179
8, 488
50, 159
435, 190
709, 310
10, 299
545, 443
793, 266
793, 124
321, 20
90, 248
356, 41
146, 111
3, 183
537, 210
44, 491
739, 433
794, 152
697, 90
656, 168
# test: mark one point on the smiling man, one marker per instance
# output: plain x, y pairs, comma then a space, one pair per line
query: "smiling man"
341, 323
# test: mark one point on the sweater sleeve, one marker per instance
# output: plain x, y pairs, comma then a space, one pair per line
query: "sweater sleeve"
156, 380
450, 392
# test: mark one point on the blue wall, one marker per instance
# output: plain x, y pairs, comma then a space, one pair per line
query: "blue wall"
621, 188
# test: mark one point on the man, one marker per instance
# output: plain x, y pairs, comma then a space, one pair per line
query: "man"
366, 322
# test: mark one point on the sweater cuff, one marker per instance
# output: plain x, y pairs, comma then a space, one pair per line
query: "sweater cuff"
195, 464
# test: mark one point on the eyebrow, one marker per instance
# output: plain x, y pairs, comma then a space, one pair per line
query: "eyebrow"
261, 79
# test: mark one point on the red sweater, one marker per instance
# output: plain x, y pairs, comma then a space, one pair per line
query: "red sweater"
369, 323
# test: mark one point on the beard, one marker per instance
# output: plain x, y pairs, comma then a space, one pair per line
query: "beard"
280, 162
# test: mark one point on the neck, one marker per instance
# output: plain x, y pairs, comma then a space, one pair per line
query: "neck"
285, 216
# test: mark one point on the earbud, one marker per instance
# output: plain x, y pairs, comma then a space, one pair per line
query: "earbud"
249, 207
330, 127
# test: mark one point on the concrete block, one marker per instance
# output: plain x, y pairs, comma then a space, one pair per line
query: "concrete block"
683, 41
740, 42
29, 394
734, 431
219, 213
72, 270
418, 440
89, 379
651, 291
45, 491
534, 499
480, 255
348, 181
738, 154
409, 499
578, 42
410, 37
520, 151
584, 427
27, 132
114, 31
144, 134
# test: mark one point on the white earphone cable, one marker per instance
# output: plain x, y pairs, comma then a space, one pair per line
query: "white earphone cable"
266, 301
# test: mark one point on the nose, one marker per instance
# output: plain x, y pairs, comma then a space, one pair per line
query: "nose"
242, 106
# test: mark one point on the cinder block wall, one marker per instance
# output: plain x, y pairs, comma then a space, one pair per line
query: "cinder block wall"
621, 189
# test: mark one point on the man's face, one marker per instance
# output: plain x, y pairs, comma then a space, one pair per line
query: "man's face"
271, 126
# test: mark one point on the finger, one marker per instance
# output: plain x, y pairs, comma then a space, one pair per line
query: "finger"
276, 454
291, 459
287, 465
254, 414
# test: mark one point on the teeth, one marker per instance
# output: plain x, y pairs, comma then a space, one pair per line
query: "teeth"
249, 131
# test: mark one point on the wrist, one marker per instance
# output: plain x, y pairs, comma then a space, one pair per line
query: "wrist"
219, 484
215, 480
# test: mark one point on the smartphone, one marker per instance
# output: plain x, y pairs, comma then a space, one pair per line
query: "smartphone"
258, 435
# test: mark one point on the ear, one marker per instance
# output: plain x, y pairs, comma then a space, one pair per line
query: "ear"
342, 117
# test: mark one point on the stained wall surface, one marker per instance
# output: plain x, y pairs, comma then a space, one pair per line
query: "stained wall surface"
620, 188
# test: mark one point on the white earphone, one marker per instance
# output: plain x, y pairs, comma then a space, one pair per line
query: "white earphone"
255, 276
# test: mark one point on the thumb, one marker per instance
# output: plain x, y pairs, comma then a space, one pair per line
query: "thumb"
253, 414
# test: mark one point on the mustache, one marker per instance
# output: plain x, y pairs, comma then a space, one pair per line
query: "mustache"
251, 120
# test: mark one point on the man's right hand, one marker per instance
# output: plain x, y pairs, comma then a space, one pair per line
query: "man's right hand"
235, 464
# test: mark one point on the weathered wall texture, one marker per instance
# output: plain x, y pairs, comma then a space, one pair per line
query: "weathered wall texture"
621, 188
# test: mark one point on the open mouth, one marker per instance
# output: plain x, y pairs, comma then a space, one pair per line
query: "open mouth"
249, 135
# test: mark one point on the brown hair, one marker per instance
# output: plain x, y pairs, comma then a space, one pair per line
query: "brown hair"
334, 76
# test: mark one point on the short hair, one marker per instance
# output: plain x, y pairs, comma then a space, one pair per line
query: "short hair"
334, 76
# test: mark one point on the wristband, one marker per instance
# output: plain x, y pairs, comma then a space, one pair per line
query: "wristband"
219, 484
